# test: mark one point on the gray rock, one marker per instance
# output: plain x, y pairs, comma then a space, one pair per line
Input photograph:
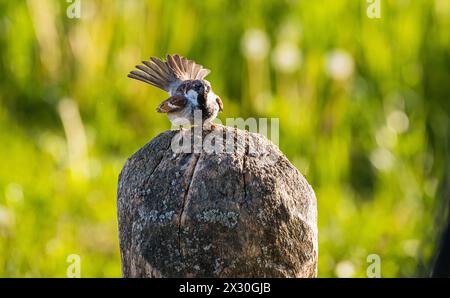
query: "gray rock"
241, 212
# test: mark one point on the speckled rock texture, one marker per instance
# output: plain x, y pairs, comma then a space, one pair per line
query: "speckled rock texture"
244, 211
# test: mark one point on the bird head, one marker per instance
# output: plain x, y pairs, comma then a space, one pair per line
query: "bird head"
197, 91
200, 93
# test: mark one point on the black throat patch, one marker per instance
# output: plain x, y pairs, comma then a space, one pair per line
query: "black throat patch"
206, 110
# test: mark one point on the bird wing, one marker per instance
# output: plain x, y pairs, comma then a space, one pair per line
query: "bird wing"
220, 103
172, 104
168, 75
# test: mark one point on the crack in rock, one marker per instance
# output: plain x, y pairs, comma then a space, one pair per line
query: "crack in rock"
185, 197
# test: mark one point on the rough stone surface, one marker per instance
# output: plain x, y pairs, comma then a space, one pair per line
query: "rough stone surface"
245, 212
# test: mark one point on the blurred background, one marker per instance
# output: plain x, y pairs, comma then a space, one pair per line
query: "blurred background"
363, 105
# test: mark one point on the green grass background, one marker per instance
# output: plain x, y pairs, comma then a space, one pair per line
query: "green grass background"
363, 107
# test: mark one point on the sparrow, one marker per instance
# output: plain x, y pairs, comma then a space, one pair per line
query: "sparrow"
189, 92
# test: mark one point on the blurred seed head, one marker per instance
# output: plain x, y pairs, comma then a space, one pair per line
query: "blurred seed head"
386, 138
345, 269
6, 218
382, 159
255, 44
286, 57
339, 65
398, 121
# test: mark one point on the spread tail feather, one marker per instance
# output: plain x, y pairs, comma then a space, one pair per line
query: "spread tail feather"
167, 75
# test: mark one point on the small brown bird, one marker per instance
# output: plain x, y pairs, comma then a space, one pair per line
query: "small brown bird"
189, 91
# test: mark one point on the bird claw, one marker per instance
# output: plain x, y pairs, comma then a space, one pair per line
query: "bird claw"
210, 126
